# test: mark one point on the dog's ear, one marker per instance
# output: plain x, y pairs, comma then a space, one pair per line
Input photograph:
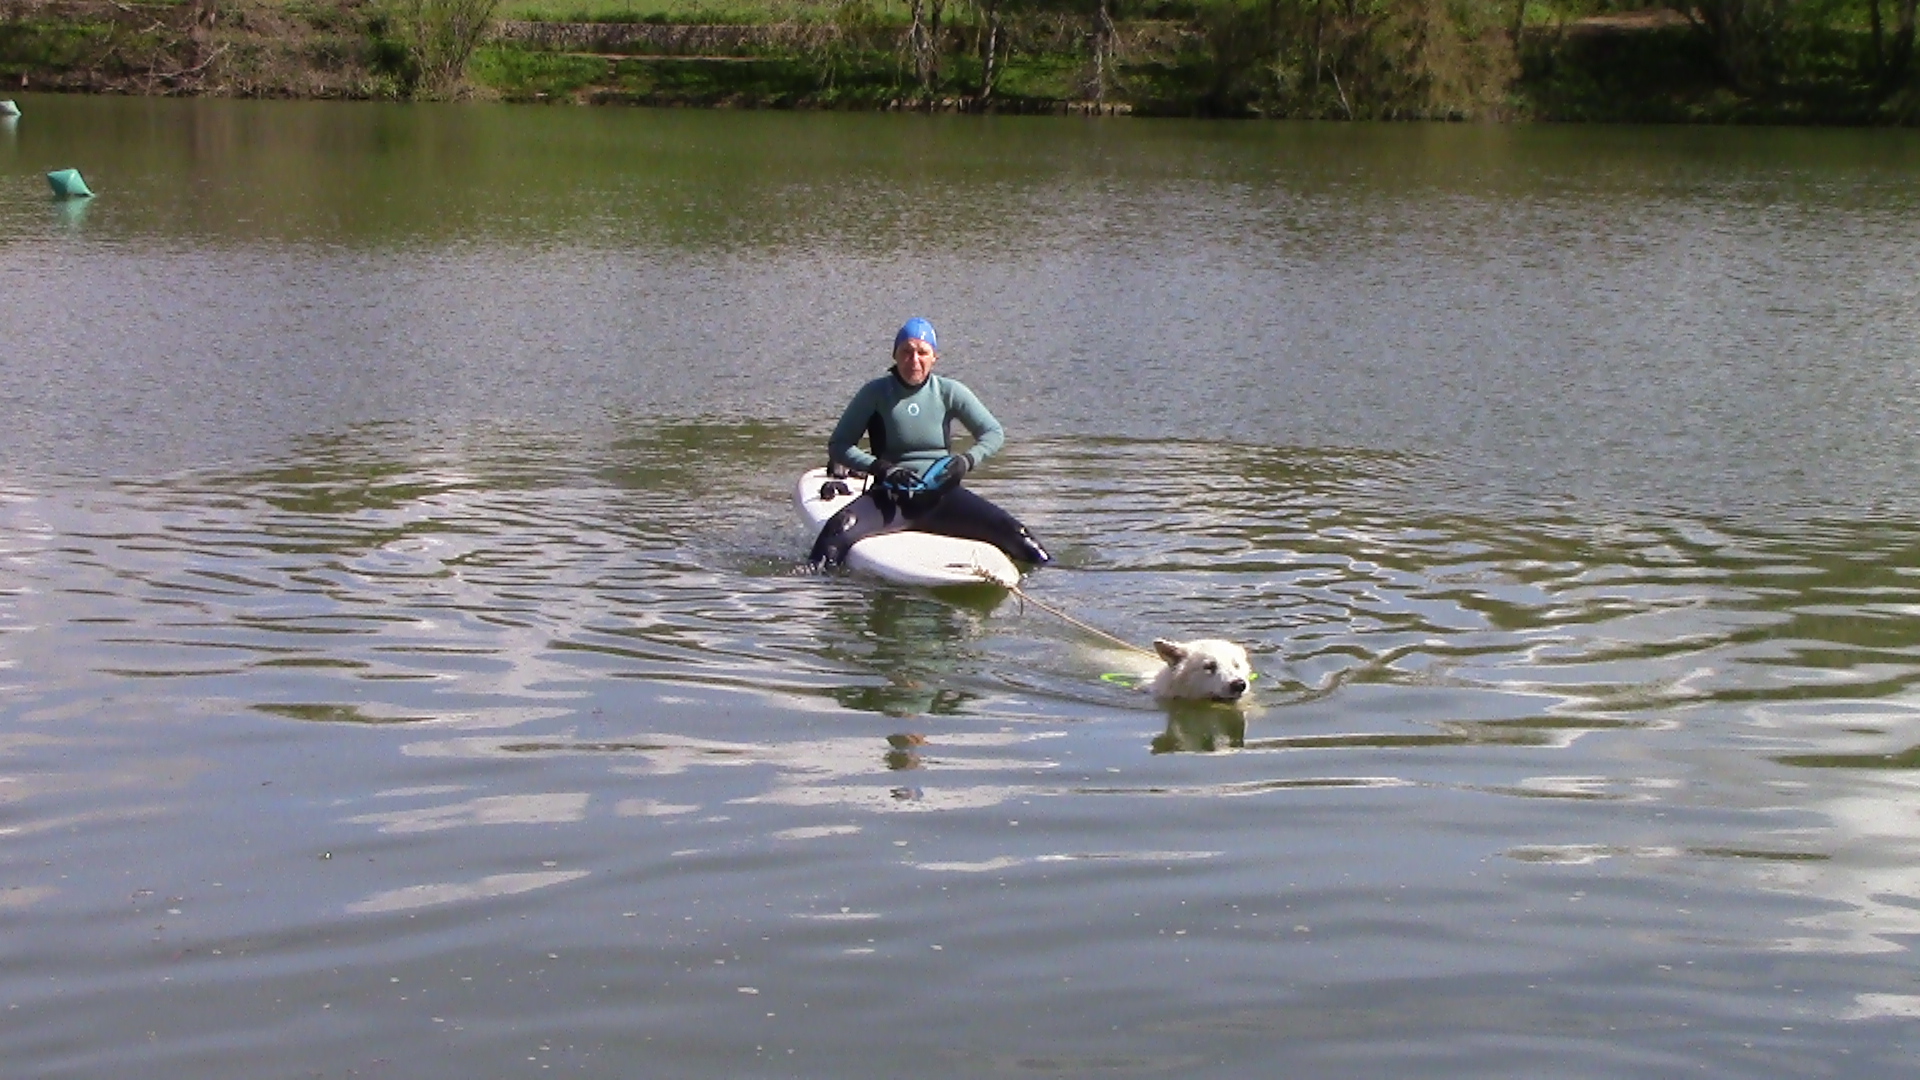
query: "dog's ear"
1169, 651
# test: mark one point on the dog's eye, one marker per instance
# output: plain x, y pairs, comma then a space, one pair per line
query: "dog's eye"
1211, 666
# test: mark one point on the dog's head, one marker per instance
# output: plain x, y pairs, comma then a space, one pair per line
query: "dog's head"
1199, 670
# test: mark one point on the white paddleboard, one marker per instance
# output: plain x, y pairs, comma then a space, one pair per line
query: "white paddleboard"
910, 558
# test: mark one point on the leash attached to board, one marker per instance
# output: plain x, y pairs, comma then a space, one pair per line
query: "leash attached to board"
1127, 679
1015, 589
1071, 621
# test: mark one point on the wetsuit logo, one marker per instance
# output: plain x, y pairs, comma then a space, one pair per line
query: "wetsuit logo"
913, 409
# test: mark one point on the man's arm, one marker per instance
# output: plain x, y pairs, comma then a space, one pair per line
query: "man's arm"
843, 445
988, 436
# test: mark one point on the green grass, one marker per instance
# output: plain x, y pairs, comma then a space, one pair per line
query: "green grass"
520, 74
1044, 76
47, 44
712, 82
673, 12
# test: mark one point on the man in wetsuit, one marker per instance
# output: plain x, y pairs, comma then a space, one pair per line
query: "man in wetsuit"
907, 416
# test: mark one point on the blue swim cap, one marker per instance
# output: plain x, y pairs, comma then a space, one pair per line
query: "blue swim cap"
916, 329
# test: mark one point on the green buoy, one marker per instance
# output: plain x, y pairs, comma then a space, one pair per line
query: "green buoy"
66, 184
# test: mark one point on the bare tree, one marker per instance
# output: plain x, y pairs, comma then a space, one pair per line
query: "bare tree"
1106, 42
441, 35
920, 45
992, 36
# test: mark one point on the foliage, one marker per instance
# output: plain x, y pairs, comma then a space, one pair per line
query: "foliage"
1819, 62
440, 37
1657, 76
1347, 59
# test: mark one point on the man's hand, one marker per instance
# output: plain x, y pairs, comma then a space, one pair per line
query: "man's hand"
946, 474
899, 478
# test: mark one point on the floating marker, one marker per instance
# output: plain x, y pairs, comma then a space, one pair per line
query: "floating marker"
66, 184
8, 108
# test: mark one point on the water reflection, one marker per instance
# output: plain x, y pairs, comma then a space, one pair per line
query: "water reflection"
550, 808
1202, 728
917, 641
413, 897
73, 213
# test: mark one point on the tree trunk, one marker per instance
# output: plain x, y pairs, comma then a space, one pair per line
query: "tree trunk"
1103, 50
990, 52
933, 42
917, 44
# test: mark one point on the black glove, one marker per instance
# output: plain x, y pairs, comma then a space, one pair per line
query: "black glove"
947, 473
895, 477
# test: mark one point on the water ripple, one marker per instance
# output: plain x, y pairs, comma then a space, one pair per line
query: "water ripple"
530, 664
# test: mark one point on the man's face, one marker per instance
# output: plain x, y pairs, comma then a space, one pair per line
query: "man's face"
914, 361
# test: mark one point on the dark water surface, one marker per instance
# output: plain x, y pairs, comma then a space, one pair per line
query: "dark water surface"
404, 671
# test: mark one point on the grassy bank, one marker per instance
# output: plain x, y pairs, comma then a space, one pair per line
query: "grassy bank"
1848, 61
260, 49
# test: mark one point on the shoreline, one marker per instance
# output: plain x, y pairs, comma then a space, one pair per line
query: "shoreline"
1646, 67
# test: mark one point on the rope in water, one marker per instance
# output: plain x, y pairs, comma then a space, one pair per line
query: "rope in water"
1120, 677
1071, 621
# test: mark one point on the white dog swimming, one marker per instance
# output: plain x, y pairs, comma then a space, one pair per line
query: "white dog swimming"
1205, 670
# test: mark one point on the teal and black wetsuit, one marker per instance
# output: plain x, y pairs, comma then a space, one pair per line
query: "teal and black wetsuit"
912, 426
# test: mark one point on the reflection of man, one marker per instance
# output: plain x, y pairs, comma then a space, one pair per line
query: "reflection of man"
903, 698
914, 640
905, 752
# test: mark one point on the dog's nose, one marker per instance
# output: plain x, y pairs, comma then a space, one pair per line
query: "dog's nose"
1237, 687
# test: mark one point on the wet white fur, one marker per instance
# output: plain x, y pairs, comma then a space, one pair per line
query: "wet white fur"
1207, 669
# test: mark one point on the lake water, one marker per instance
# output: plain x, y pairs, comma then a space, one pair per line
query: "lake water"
405, 671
